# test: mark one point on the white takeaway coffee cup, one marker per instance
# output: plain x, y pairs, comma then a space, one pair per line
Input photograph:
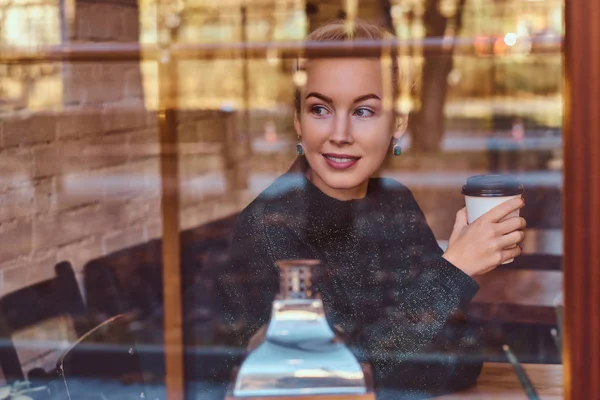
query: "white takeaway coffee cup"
484, 192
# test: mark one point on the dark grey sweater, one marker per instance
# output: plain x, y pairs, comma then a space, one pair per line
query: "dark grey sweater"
385, 284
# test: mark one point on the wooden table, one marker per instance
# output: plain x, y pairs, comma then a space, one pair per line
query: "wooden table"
498, 381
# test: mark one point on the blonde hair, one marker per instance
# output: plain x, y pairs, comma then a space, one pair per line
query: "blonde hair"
341, 31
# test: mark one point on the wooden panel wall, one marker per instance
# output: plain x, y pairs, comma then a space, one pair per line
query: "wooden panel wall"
582, 200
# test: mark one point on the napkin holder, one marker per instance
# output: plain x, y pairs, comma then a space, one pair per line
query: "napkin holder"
300, 357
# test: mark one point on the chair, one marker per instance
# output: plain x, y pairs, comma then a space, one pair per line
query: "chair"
130, 281
32, 305
516, 304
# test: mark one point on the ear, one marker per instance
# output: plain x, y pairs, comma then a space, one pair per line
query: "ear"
297, 124
401, 125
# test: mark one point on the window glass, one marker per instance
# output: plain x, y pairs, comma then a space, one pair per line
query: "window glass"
320, 245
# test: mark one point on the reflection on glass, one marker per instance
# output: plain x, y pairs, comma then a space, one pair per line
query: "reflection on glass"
80, 170
299, 355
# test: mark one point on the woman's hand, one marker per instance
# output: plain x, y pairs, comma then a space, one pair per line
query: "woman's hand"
489, 241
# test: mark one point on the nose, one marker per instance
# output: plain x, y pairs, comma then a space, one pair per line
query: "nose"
342, 131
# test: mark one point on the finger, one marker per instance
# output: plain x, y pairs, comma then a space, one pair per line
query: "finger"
502, 210
461, 218
512, 224
511, 239
508, 254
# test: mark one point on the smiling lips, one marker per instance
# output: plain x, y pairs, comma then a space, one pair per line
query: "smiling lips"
340, 161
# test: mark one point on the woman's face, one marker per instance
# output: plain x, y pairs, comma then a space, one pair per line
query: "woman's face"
343, 126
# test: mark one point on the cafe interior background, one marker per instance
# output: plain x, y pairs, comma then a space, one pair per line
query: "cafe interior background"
80, 152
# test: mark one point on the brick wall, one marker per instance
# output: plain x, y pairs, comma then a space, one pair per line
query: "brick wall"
84, 181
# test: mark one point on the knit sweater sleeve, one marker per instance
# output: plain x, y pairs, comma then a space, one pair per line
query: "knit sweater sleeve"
423, 343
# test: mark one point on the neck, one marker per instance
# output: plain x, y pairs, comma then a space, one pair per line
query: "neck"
354, 193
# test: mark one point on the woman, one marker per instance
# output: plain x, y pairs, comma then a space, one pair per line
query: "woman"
388, 286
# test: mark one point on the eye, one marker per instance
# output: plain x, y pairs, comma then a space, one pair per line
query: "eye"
363, 113
319, 111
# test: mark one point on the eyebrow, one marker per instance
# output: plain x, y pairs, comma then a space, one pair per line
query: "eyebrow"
330, 100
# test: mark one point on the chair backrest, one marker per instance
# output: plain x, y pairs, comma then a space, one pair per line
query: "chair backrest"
516, 305
130, 280
32, 305
525, 292
124, 281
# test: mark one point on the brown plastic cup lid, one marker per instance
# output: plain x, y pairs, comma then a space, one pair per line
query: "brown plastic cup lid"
493, 185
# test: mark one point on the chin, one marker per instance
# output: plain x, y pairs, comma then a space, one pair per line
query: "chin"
343, 180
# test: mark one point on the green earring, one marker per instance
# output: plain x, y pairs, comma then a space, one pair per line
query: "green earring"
396, 149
